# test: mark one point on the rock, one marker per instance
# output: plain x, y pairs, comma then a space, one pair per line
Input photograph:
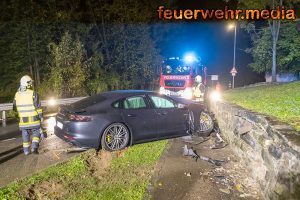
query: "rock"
244, 127
248, 139
276, 152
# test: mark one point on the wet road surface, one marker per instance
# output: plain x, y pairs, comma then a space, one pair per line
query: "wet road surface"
15, 165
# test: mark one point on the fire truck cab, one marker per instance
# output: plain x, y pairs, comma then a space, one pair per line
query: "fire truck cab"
177, 76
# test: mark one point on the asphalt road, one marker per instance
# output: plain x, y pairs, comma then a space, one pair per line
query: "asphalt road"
15, 165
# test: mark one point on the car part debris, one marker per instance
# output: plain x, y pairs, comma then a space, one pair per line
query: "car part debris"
188, 174
226, 191
221, 179
219, 137
194, 140
219, 142
194, 155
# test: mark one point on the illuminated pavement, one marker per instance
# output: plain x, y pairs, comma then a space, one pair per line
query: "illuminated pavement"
14, 164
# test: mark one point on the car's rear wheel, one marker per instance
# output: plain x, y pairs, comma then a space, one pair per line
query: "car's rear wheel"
115, 137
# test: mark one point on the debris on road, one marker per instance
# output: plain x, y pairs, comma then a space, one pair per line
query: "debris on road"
226, 191
188, 174
189, 152
219, 141
195, 140
219, 137
221, 179
194, 155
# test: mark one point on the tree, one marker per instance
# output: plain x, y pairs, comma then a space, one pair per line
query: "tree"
117, 49
288, 49
68, 68
274, 25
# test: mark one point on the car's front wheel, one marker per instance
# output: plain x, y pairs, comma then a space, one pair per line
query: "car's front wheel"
203, 126
115, 137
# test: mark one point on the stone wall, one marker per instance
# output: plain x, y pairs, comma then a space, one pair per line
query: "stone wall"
270, 149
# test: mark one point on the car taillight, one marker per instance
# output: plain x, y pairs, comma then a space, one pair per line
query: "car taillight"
79, 118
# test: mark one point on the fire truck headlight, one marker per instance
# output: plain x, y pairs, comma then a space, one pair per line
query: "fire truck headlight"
161, 90
188, 93
215, 96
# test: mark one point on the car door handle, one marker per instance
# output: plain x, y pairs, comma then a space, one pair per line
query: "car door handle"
130, 115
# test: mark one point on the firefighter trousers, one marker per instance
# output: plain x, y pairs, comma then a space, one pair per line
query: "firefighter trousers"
36, 133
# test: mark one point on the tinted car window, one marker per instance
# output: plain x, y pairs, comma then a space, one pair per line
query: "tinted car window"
134, 103
160, 102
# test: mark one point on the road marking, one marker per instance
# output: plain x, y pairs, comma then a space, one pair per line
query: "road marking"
8, 140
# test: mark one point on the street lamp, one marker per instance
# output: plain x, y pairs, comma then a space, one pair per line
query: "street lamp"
230, 27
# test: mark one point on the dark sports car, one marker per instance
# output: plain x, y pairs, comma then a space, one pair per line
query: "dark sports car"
116, 119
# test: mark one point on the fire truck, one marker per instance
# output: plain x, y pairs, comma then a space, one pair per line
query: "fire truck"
177, 76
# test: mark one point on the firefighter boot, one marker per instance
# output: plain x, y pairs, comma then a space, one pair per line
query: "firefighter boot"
35, 140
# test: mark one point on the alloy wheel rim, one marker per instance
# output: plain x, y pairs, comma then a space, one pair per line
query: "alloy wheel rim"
205, 122
116, 137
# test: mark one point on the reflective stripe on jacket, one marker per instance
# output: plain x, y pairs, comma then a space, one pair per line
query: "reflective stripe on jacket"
28, 112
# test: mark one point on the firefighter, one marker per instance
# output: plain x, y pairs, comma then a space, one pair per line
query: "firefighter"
28, 106
218, 87
198, 89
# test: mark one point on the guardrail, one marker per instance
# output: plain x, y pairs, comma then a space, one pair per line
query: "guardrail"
51, 102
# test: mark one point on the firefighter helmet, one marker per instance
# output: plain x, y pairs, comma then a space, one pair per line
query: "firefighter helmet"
26, 81
198, 79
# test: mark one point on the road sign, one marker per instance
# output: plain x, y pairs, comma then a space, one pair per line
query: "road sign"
214, 77
233, 71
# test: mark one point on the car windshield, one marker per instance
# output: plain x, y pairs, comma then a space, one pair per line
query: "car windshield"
175, 67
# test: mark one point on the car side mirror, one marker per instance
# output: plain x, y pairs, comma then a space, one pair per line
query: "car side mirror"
180, 105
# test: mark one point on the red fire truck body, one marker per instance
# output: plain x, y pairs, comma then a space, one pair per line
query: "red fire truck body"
177, 77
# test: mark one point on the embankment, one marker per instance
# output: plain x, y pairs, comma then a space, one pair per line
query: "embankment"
269, 148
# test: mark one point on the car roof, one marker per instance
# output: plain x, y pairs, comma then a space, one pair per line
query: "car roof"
124, 93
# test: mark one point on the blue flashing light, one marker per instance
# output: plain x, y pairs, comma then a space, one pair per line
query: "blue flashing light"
190, 58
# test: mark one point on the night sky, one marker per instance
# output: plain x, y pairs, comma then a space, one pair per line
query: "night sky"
213, 42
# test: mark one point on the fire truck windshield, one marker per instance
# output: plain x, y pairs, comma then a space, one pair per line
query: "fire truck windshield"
175, 68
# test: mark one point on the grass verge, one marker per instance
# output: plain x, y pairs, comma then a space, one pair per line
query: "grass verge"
126, 177
279, 101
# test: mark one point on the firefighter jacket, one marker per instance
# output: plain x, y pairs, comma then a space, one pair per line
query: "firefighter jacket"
28, 106
199, 90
